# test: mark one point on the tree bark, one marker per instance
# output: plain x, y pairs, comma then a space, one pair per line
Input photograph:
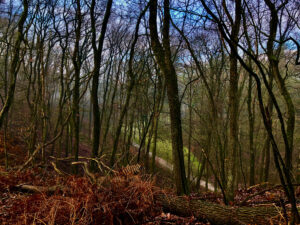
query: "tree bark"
233, 104
215, 213
273, 57
14, 67
162, 53
96, 71
160, 104
268, 142
251, 132
77, 67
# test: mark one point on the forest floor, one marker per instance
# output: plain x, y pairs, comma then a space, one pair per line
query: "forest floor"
39, 195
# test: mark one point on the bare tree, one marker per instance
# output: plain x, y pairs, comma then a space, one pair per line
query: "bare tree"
163, 57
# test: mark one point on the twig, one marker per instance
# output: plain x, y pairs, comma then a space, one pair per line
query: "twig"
284, 210
86, 170
257, 185
45, 145
57, 170
261, 192
97, 160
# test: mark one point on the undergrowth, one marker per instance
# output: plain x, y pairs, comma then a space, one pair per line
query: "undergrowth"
78, 202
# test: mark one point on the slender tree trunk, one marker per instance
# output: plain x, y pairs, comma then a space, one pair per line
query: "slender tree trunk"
274, 71
163, 58
268, 141
190, 133
90, 121
76, 92
61, 96
290, 124
160, 104
233, 105
110, 113
96, 72
5, 143
201, 170
251, 132
150, 136
105, 98
298, 168
120, 123
129, 138
143, 140
14, 67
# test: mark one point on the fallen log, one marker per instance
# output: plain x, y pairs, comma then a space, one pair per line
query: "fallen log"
36, 189
218, 214
203, 210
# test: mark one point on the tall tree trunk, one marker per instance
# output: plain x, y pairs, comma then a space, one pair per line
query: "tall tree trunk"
233, 104
163, 57
76, 90
129, 138
190, 133
5, 144
150, 136
251, 132
110, 113
105, 98
268, 141
96, 71
273, 57
160, 104
14, 67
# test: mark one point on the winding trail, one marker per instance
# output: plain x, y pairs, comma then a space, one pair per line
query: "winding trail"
168, 166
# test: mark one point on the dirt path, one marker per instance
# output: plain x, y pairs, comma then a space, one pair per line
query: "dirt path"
166, 165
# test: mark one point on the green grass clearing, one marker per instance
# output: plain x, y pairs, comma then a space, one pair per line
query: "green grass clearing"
164, 151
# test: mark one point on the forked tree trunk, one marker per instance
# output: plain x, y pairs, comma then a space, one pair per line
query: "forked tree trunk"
162, 53
97, 46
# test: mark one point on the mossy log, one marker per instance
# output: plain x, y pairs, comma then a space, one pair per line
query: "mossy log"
218, 214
